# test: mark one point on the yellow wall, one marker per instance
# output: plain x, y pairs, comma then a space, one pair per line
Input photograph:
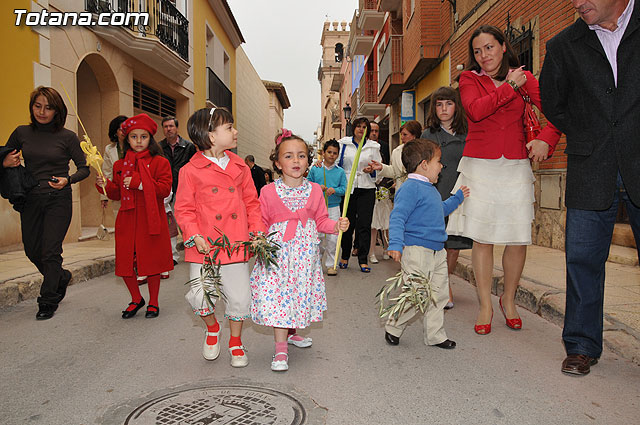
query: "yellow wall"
19, 47
439, 77
202, 15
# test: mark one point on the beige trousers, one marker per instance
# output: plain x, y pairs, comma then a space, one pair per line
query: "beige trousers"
430, 263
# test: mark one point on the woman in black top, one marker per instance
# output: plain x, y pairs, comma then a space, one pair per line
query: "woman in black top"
47, 148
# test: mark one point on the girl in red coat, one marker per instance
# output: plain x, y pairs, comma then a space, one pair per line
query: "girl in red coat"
216, 191
141, 181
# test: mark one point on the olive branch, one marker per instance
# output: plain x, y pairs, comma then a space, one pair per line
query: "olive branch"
415, 291
260, 245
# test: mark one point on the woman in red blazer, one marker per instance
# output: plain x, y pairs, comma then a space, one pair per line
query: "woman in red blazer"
496, 167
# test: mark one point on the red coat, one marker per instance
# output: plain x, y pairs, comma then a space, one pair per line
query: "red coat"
153, 252
210, 197
496, 118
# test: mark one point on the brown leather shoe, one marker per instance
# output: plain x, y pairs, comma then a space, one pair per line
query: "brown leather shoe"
578, 364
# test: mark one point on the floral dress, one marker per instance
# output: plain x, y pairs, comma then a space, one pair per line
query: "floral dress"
291, 295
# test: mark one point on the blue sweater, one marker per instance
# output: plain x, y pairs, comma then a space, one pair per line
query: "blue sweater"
336, 179
418, 216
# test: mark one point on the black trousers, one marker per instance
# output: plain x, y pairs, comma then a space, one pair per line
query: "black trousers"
360, 214
45, 221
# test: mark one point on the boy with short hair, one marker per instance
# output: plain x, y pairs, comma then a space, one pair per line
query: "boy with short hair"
333, 181
417, 235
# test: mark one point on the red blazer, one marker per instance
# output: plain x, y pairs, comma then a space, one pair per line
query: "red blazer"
496, 118
153, 252
210, 197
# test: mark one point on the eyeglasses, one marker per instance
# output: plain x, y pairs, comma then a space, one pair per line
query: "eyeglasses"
211, 117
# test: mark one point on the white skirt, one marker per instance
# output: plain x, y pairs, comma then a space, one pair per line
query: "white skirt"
499, 209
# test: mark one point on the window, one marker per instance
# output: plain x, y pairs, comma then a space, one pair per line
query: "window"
152, 101
522, 43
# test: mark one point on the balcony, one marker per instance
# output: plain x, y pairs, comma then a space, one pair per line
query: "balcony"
370, 18
217, 92
368, 102
391, 6
162, 41
360, 41
390, 71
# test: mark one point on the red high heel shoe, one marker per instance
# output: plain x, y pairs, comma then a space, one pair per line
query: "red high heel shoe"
515, 324
484, 329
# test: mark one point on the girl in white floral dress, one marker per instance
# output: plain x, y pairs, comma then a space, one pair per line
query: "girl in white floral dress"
291, 295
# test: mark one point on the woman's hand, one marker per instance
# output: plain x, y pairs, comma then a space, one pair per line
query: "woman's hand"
375, 165
126, 182
201, 245
11, 160
517, 76
62, 182
538, 150
342, 225
396, 255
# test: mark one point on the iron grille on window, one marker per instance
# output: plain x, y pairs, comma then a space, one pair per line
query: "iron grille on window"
152, 101
522, 43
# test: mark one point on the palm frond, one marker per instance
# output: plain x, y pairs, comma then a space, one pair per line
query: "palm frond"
415, 292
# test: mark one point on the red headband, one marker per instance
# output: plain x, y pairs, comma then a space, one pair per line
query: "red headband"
285, 133
141, 121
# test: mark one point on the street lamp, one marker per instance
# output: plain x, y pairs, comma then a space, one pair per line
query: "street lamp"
347, 118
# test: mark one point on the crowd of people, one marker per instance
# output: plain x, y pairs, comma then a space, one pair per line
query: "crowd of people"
465, 181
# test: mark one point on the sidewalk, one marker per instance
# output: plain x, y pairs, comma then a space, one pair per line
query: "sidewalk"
542, 291
542, 287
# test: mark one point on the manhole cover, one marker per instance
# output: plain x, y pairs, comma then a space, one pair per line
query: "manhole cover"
218, 404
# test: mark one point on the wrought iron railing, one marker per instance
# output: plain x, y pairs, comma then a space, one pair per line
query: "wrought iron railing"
368, 88
218, 93
165, 21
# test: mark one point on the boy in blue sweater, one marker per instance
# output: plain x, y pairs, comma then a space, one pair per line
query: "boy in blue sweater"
417, 236
333, 181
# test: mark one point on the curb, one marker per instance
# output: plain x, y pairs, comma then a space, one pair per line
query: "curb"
549, 303
23, 288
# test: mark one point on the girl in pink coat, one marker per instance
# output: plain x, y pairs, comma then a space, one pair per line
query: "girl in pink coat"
291, 295
216, 191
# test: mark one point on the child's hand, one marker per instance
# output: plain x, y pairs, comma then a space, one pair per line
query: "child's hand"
201, 245
375, 165
368, 169
342, 224
465, 191
318, 164
323, 187
396, 255
100, 181
330, 191
126, 182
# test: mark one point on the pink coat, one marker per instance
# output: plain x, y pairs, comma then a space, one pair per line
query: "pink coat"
275, 211
209, 197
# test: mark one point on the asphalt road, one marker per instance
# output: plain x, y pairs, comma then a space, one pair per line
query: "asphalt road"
80, 365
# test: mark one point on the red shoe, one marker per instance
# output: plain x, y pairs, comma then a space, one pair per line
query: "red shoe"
483, 329
515, 324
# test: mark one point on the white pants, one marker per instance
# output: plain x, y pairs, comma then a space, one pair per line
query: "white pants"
328, 241
235, 286
434, 263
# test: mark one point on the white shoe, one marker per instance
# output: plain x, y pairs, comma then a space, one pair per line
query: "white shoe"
211, 352
280, 365
373, 259
385, 256
449, 305
239, 361
304, 343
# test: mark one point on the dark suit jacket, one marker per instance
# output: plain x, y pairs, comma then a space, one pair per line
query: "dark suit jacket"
183, 152
257, 174
601, 121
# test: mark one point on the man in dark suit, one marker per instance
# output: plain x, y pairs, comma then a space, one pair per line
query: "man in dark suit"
176, 149
257, 173
590, 87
